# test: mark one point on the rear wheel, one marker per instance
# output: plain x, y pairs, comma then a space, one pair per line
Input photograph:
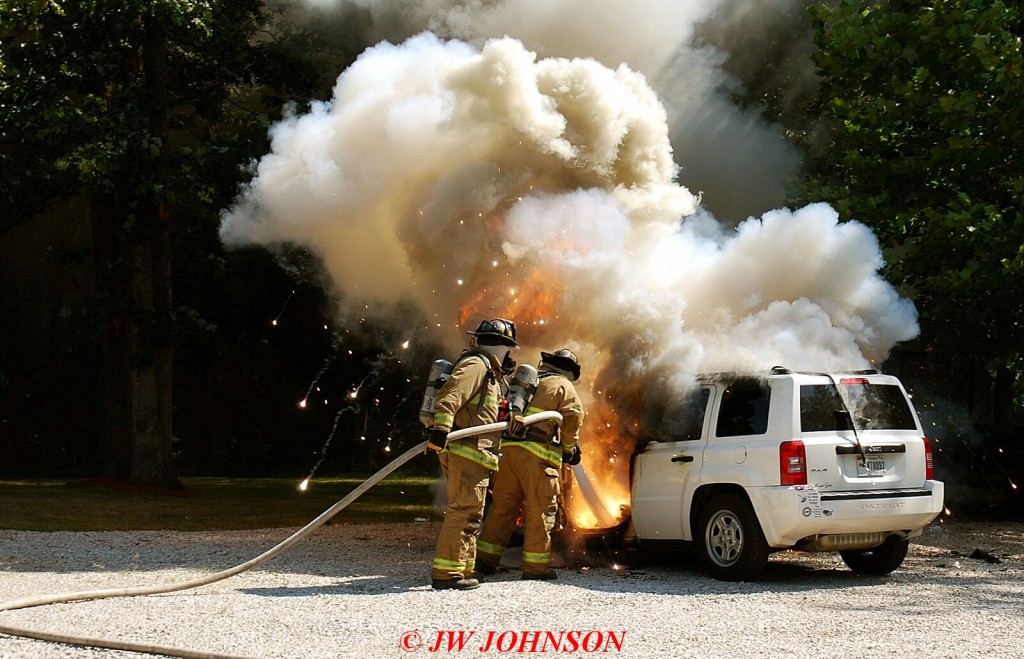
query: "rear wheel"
880, 560
733, 547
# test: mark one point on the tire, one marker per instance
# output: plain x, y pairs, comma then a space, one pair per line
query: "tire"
880, 560
732, 545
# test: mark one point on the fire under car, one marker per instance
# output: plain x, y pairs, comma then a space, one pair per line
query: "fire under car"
748, 464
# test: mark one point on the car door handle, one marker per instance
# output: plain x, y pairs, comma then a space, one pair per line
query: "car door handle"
682, 458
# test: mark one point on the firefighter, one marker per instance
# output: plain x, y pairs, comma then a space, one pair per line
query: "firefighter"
471, 397
531, 461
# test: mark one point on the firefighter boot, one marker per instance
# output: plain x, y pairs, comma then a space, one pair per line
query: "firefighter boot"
541, 576
486, 569
454, 584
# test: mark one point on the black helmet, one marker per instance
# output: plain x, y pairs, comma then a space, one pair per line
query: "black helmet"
500, 330
564, 359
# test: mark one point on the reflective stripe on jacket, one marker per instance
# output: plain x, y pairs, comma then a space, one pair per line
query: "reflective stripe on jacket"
554, 392
470, 398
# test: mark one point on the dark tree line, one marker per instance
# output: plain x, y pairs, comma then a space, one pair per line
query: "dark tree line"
133, 346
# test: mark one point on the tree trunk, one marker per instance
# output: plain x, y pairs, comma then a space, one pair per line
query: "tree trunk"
151, 380
115, 342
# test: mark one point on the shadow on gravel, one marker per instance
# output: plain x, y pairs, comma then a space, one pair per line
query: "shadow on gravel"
785, 572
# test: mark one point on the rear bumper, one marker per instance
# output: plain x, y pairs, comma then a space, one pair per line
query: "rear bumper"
793, 515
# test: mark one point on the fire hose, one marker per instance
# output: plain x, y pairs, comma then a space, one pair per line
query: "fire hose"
26, 602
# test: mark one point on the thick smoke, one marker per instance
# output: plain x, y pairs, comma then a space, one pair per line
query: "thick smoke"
482, 177
493, 181
698, 56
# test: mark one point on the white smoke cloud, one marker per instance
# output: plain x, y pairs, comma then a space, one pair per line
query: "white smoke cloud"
485, 177
402, 181
740, 161
491, 181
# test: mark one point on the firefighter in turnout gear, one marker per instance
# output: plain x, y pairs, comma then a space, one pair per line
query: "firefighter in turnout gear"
471, 397
530, 464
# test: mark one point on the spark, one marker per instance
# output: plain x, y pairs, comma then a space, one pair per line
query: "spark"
323, 369
323, 450
405, 344
304, 484
355, 392
283, 307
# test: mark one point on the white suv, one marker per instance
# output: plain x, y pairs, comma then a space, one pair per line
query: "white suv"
751, 464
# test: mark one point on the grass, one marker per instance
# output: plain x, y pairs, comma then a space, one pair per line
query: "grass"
207, 504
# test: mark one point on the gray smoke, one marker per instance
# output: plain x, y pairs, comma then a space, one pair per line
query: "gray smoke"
530, 160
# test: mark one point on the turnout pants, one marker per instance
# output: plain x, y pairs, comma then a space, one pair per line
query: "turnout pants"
455, 556
531, 482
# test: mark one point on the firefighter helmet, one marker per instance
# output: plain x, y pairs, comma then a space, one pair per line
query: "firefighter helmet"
498, 330
563, 359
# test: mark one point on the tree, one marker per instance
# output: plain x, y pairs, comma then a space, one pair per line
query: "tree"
124, 104
928, 149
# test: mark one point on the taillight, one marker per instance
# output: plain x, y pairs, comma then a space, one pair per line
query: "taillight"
793, 463
929, 462
854, 381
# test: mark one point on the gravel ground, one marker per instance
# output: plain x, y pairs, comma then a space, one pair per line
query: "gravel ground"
362, 591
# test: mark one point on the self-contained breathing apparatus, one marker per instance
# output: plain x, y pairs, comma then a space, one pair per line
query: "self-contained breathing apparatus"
519, 392
494, 338
440, 371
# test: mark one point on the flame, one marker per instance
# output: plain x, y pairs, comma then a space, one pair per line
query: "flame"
534, 301
303, 485
603, 441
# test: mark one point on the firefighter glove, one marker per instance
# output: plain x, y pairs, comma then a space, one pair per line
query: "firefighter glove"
436, 439
515, 425
573, 457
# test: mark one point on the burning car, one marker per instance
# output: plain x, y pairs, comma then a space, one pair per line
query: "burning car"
746, 465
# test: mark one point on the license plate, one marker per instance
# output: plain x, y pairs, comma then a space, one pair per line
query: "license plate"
874, 465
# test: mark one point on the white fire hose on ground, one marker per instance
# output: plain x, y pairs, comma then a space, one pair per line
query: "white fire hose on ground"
26, 602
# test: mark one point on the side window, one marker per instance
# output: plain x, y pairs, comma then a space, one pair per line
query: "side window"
744, 409
684, 421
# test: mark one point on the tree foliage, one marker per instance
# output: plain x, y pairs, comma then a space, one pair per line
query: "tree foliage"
928, 149
143, 108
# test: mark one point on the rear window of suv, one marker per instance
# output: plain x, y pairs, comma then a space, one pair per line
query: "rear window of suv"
873, 406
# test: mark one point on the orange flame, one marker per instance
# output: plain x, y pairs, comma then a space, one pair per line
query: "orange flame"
606, 443
606, 457
534, 301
